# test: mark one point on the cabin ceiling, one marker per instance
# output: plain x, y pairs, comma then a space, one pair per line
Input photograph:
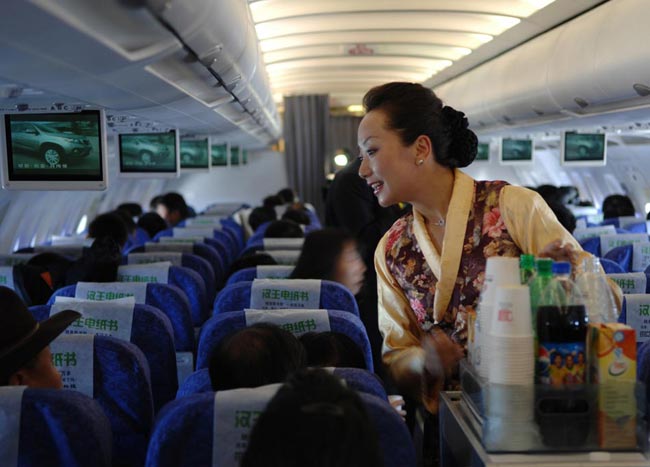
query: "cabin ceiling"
345, 47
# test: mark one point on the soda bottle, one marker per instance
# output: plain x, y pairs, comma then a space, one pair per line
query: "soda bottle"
598, 296
561, 331
539, 281
526, 268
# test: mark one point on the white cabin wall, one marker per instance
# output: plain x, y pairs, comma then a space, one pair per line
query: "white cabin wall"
265, 174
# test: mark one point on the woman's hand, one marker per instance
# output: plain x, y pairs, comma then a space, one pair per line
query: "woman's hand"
558, 251
441, 354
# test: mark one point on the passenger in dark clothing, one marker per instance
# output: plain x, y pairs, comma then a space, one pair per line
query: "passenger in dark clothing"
332, 349
284, 229
251, 260
617, 206
133, 209
260, 215
152, 223
564, 216
172, 208
110, 225
298, 216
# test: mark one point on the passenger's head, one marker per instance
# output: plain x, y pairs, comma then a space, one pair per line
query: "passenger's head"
287, 195
133, 209
332, 349
313, 421
109, 225
25, 358
255, 356
617, 206
172, 208
284, 229
250, 261
99, 263
152, 223
299, 216
261, 215
407, 128
127, 219
272, 201
564, 216
550, 193
331, 254
155, 201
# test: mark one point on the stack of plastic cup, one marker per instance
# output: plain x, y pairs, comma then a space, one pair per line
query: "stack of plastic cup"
498, 271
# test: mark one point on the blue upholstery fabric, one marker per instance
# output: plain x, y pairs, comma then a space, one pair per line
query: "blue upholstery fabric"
167, 298
333, 296
357, 379
611, 221
222, 250
611, 267
141, 236
202, 266
315, 221
258, 235
63, 429
243, 275
643, 373
184, 431
591, 245
193, 285
229, 238
152, 333
639, 227
237, 229
621, 255
123, 390
221, 325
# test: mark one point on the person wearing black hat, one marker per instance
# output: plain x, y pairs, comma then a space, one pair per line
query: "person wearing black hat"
25, 358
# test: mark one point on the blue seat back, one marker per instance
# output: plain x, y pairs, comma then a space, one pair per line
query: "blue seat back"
220, 326
621, 255
62, 429
170, 300
643, 372
258, 235
246, 275
591, 245
237, 296
611, 267
152, 333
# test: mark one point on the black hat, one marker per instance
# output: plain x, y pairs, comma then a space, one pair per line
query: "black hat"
21, 336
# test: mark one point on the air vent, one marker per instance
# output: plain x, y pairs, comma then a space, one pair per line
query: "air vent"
537, 111
581, 102
641, 89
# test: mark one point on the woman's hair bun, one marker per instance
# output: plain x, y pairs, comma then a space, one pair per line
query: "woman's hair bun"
463, 144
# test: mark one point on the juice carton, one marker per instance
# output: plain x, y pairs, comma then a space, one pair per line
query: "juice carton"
612, 361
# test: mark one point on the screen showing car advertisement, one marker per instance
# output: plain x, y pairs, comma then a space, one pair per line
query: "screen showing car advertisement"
195, 154
152, 153
515, 151
54, 146
483, 152
244, 156
584, 148
234, 155
220, 153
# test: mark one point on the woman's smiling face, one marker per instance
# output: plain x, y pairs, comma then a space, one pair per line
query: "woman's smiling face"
388, 166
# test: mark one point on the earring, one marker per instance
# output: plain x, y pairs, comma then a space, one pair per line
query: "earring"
419, 162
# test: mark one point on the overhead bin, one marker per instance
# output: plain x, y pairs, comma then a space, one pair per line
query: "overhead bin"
584, 67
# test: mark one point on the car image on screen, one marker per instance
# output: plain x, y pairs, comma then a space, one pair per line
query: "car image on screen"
53, 144
145, 149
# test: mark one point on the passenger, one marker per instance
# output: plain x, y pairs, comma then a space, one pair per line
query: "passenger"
412, 146
25, 358
284, 229
152, 223
250, 261
550, 193
255, 356
287, 195
313, 421
110, 224
153, 204
133, 209
331, 254
172, 208
261, 215
617, 206
299, 216
564, 216
272, 201
129, 223
332, 349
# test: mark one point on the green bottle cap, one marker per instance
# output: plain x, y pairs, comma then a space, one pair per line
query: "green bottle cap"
544, 267
527, 262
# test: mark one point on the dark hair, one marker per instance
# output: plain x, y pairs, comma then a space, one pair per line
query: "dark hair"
251, 260
258, 355
175, 202
550, 193
272, 201
155, 201
152, 223
313, 421
98, 263
260, 215
287, 195
133, 209
617, 206
284, 229
110, 225
127, 219
320, 253
298, 216
564, 216
414, 110
332, 349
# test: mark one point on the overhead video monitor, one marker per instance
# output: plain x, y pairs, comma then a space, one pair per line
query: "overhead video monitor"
483, 152
234, 155
195, 154
54, 151
586, 149
516, 151
149, 155
244, 156
220, 153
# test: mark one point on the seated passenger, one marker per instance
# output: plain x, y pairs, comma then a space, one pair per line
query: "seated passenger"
332, 349
259, 216
331, 254
287, 195
284, 229
564, 216
25, 358
152, 223
255, 356
299, 216
112, 225
129, 223
312, 421
617, 206
172, 208
272, 201
133, 209
250, 261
